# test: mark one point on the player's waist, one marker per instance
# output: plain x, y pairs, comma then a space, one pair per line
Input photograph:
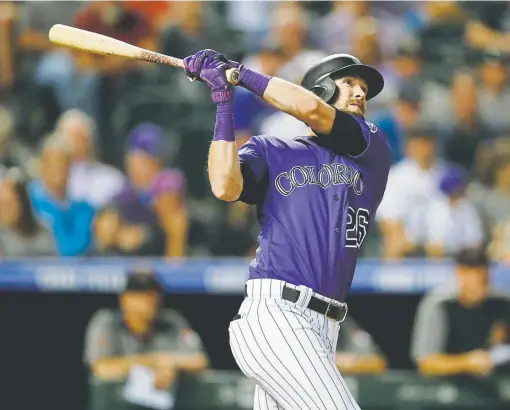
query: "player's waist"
300, 295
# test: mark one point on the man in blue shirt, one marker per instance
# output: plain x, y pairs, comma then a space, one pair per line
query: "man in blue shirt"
69, 220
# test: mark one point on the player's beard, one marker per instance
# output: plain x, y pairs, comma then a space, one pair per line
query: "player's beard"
360, 112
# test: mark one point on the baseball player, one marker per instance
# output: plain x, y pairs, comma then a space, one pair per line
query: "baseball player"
316, 197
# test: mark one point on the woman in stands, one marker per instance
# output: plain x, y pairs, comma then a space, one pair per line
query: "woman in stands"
21, 235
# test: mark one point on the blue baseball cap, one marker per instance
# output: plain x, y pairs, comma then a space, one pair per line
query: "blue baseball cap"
453, 180
148, 138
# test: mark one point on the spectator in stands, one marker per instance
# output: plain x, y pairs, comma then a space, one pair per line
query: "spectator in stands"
142, 333
412, 185
446, 21
159, 13
126, 227
494, 92
163, 190
96, 79
89, 180
114, 19
289, 31
465, 130
52, 63
456, 329
335, 31
453, 222
366, 41
249, 17
489, 25
21, 235
8, 72
12, 153
356, 351
499, 246
493, 201
68, 220
235, 231
403, 115
197, 26
407, 63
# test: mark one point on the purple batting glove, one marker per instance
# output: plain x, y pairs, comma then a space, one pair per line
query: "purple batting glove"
193, 64
213, 73
210, 67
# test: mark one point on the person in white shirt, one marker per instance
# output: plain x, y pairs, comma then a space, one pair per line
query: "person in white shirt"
453, 223
283, 125
413, 184
289, 30
89, 179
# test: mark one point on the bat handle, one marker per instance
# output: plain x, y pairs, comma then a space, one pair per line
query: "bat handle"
233, 76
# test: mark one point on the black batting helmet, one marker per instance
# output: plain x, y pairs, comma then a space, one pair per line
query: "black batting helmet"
319, 77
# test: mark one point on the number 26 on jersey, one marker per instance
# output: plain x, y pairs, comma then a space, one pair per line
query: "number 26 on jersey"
357, 227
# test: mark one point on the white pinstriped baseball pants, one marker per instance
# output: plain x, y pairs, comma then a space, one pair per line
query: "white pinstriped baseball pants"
288, 350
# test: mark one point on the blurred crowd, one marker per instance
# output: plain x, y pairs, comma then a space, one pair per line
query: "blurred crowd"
105, 156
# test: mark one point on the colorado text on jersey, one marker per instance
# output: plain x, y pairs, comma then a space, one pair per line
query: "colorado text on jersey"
328, 175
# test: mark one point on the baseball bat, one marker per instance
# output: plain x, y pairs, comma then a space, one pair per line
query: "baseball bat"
99, 44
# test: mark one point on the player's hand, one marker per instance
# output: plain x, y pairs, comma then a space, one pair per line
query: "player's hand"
479, 363
193, 64
211, 67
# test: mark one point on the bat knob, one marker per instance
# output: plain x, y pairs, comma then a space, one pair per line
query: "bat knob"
233, 76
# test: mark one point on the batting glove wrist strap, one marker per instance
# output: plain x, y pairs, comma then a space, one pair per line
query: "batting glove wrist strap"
222, 96
224, 129
253, 81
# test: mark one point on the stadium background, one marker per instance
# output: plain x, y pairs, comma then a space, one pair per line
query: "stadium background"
442, 62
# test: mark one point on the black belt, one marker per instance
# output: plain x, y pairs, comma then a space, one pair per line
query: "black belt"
331, 311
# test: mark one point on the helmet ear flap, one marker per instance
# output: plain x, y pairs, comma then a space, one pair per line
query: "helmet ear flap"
325, 88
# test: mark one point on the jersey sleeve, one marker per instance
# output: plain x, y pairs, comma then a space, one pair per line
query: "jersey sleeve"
350, 134
254, 169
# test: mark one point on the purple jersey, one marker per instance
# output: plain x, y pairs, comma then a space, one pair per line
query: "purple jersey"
315, 207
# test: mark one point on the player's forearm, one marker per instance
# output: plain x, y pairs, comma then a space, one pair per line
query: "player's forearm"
301, 104
443, 364
224, 167
291, 99
225, 170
